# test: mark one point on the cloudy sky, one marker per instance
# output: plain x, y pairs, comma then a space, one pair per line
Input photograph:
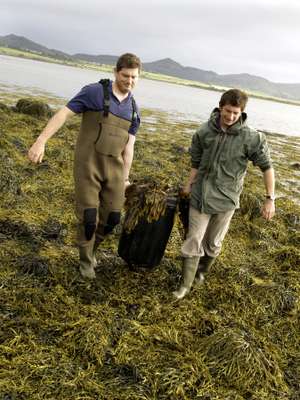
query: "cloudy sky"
260, 37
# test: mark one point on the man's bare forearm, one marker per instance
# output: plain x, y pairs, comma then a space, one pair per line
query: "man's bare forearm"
128, 156
269, 181
37, 150
55, 123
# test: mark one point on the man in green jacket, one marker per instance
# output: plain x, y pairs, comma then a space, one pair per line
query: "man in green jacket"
220, 151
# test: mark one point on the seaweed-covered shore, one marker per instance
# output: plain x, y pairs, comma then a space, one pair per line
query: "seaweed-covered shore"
123, 337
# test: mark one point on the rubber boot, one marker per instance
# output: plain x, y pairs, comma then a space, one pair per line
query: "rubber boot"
95, 248
189, 269
88, 262
204, 264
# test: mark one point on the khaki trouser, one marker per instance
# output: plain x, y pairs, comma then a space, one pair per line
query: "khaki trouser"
206, 233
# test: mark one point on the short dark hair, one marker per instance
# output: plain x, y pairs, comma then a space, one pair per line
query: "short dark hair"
128, 60
234, 97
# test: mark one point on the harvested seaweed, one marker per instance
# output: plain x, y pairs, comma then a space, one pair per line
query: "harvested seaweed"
145, 201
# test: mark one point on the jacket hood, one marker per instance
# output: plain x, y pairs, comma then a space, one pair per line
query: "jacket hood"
214, 122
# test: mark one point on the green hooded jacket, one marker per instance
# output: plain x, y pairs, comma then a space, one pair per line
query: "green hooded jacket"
221, 159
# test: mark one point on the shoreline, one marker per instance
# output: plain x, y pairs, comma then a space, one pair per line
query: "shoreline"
285, 149
10, 97
145, 74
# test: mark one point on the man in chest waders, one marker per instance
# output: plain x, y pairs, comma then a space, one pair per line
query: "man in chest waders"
103, 154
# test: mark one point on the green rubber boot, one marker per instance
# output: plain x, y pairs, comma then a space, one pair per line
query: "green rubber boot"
189, 270
204, 264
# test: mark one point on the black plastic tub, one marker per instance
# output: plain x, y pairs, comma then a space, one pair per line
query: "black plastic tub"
145, 245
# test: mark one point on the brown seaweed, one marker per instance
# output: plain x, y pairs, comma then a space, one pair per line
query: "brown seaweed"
123, 337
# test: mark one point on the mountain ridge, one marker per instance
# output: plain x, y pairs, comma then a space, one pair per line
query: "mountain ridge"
167, 66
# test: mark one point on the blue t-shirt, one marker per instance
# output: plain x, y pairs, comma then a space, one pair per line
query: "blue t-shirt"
90, 98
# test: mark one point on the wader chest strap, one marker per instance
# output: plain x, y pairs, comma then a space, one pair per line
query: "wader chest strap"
105, 83
134, 110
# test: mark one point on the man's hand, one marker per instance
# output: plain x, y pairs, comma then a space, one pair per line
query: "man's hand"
36, 152
268, 209
187, 188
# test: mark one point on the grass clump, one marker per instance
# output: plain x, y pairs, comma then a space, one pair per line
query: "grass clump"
243, 360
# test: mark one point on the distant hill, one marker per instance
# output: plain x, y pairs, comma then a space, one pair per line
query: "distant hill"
22, 43
243, 81
102, 59
170, 67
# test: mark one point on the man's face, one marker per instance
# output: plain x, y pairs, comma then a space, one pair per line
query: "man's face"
229, 115
126, 79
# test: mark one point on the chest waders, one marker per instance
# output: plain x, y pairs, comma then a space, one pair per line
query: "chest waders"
99, 181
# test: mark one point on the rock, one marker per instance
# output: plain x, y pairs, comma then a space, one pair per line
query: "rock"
34, 108
296, 166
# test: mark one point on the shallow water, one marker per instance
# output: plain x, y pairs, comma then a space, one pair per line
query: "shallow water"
181, 102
